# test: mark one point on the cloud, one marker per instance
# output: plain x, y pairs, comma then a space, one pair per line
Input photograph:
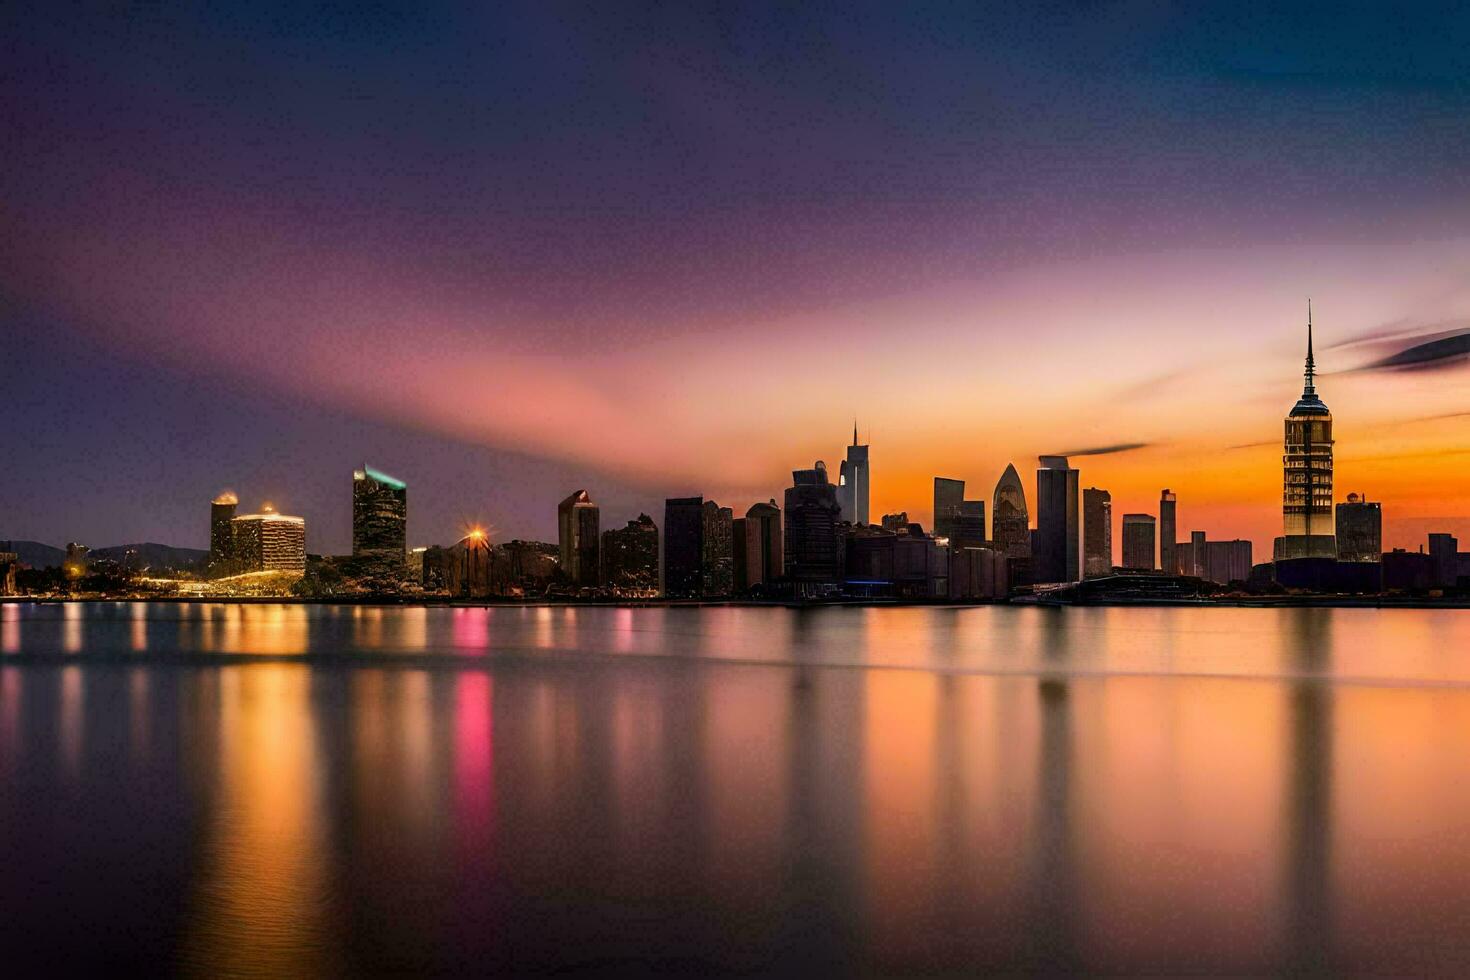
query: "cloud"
1442, 351
1255, 445
1121, 447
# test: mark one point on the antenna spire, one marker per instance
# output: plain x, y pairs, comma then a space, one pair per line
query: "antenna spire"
1311, 372
854, 431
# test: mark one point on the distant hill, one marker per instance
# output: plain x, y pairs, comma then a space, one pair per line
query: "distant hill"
36, 554
150, 554
154, 555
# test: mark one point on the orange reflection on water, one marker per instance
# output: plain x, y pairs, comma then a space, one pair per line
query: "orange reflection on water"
9, 628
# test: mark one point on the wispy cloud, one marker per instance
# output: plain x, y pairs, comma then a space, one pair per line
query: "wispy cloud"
1425, 354
1255, 445
1121, 447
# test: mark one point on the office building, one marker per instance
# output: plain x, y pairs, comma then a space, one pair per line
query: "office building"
1445, 560
683, 558
578, 527
949, 496
1168, 543
852, 488
379, 518
468, 572
813, 551
1227, 561
1097, 532
1058, 532
969, 528
1010, 523
1138, 542
1359, 529
630, 557
221, 539
718, 562
1197, 551
764, 548
1307, 472
269, 542
977, 573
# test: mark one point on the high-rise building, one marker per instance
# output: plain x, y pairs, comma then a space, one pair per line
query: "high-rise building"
969, 530
1097, 532
683, 561
852, 489
1010, 523
578, 527
1227, 561
379, 517
630, 557
949, 495
813, 552
269, 542
1138, 542
1359, 529
1307, 472
718, 564
1058, 530
1444, 553
764, 547
1168, 543
1197, 552
221, 540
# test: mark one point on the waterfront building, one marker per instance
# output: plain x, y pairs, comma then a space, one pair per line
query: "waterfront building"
683, 542
1138, 542
1010, 523
949, 497
1197, 543
1445, 559
892, 522
977, 573
852, 488
9, 569
1307, 515
469, 570
379, 518
813, 549
1058, 531
764, 547
578, 526
907, 564
269, 542
1359, 529
1407, 571
630, 557
717, 567
1227, 561
1097, 532
221, 539
1168, 544
969, 529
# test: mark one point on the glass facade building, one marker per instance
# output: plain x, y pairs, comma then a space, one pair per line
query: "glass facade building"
578, 526
1097, 532
1010, 522
379, 516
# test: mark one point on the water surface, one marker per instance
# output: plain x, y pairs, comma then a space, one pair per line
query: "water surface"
271, 789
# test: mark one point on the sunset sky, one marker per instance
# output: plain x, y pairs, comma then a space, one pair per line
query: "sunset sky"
506, 253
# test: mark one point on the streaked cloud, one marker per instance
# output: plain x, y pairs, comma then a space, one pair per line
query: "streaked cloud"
1121, 447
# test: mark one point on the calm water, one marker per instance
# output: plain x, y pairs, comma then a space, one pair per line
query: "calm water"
316, 790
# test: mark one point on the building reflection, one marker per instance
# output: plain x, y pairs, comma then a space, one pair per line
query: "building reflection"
1309, 831
1053, 931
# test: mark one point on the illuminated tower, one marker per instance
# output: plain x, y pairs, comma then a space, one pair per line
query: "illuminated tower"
379, 517
221, 537
852, 478
1307, 472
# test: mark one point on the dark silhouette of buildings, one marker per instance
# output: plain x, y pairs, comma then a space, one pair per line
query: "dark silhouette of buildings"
1058, 533
814, 559
1307, 472
1168, 540
718, 564
1010, 522
1359, 530
969, 531
221, 537
761, 546
1097, 532
1444, 555
1221, 562
469, 570
978, 573
578, 526
852, 486
949, 495
892, 522
1138, 542
683, 564
1407, 571
905, 564
379, 519
630, 557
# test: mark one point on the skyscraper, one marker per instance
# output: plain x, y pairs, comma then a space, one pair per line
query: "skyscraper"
814, 557
764, 548
1138, 542
1097, 532
630, 556
1057, 523
718, 562
969, 528
948, 496
1307, 472
1359, 530
578, 526
379, 517
683, 576
221, 540
1168, 558
852, 490
1444, 553
1010, 523
269, 542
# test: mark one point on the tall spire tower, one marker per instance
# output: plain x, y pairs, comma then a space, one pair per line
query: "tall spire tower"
852, 482
1306, 501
